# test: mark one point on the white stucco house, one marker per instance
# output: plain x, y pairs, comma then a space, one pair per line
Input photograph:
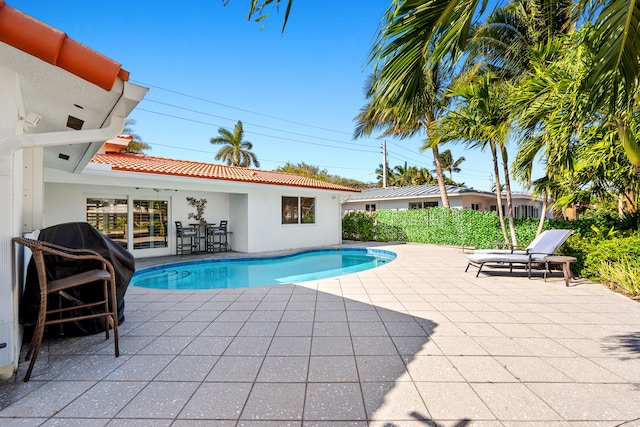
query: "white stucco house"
428, 195
60, 102
136, 199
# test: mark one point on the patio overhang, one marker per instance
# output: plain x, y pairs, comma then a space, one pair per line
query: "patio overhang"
66, 100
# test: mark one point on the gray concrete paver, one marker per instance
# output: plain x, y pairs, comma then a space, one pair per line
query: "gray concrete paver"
414, 343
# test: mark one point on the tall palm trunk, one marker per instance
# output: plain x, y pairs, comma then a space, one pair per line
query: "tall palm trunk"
436, 160
507, 189
440, 176
496, 171
543, 214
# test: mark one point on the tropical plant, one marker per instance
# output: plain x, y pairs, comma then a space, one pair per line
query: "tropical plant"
403, 175
407, 119
504, 40
311, 171
624, 274
604, 233
235, 151
135, 146
258, 9
382, 175
416, 33
448, 164
613, 80
480, 121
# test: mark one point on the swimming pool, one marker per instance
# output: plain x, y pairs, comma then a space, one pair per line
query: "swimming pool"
251, 272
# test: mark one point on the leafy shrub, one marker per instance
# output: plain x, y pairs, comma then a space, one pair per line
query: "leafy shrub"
357, 225
624, 274
591, 252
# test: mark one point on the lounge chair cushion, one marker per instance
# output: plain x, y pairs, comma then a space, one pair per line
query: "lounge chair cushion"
506, 258
547, 242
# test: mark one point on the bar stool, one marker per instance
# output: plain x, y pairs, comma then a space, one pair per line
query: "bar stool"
186, 238
219, 237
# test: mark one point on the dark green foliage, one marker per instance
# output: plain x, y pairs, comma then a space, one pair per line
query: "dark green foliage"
600, 222
630, 221
591, 252
358, 225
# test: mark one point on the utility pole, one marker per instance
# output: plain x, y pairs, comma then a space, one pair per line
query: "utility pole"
384, 164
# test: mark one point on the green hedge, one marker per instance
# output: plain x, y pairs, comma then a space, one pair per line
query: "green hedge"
457, 227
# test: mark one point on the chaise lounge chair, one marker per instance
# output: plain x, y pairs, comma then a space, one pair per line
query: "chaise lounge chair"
547, 243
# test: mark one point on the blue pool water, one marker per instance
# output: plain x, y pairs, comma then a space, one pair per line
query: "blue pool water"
250, 272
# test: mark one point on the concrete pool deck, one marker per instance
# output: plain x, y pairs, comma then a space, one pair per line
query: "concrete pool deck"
416, 342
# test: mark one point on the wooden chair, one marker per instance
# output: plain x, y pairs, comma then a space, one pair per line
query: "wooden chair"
99, 269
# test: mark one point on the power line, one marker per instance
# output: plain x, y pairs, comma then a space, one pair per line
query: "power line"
256, 133
417, 158
395, 145
252, 124
212, 153
239, 109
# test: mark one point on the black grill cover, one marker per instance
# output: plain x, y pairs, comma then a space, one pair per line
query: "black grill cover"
76, 235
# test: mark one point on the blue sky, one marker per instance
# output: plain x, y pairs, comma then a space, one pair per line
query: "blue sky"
207, 67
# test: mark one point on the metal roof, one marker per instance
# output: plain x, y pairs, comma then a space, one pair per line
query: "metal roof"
409, 192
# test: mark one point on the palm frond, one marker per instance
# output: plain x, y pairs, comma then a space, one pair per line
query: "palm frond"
616, 63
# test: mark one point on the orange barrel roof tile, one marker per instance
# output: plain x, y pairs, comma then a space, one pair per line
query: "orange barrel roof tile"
53, 46
171, 167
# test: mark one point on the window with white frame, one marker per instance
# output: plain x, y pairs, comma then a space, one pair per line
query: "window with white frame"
109, 217
149, 224
298, 210
422, 205
370, 208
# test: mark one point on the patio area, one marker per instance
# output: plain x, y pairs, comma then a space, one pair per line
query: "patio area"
417, 342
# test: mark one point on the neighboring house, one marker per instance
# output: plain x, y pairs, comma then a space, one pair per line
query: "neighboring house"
136, 200
428, 195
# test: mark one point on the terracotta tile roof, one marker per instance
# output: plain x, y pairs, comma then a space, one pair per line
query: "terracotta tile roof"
163, 166
38, 39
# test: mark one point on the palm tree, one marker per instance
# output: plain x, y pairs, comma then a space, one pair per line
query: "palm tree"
380, 175
405, 120
504, 40
257, 10
135, 146
403, 175
480, 120
416, 33
447, 163
423, 176
235, 152
547, 106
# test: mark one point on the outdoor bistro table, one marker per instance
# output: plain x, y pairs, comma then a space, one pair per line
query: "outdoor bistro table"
566, 266
201, 229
